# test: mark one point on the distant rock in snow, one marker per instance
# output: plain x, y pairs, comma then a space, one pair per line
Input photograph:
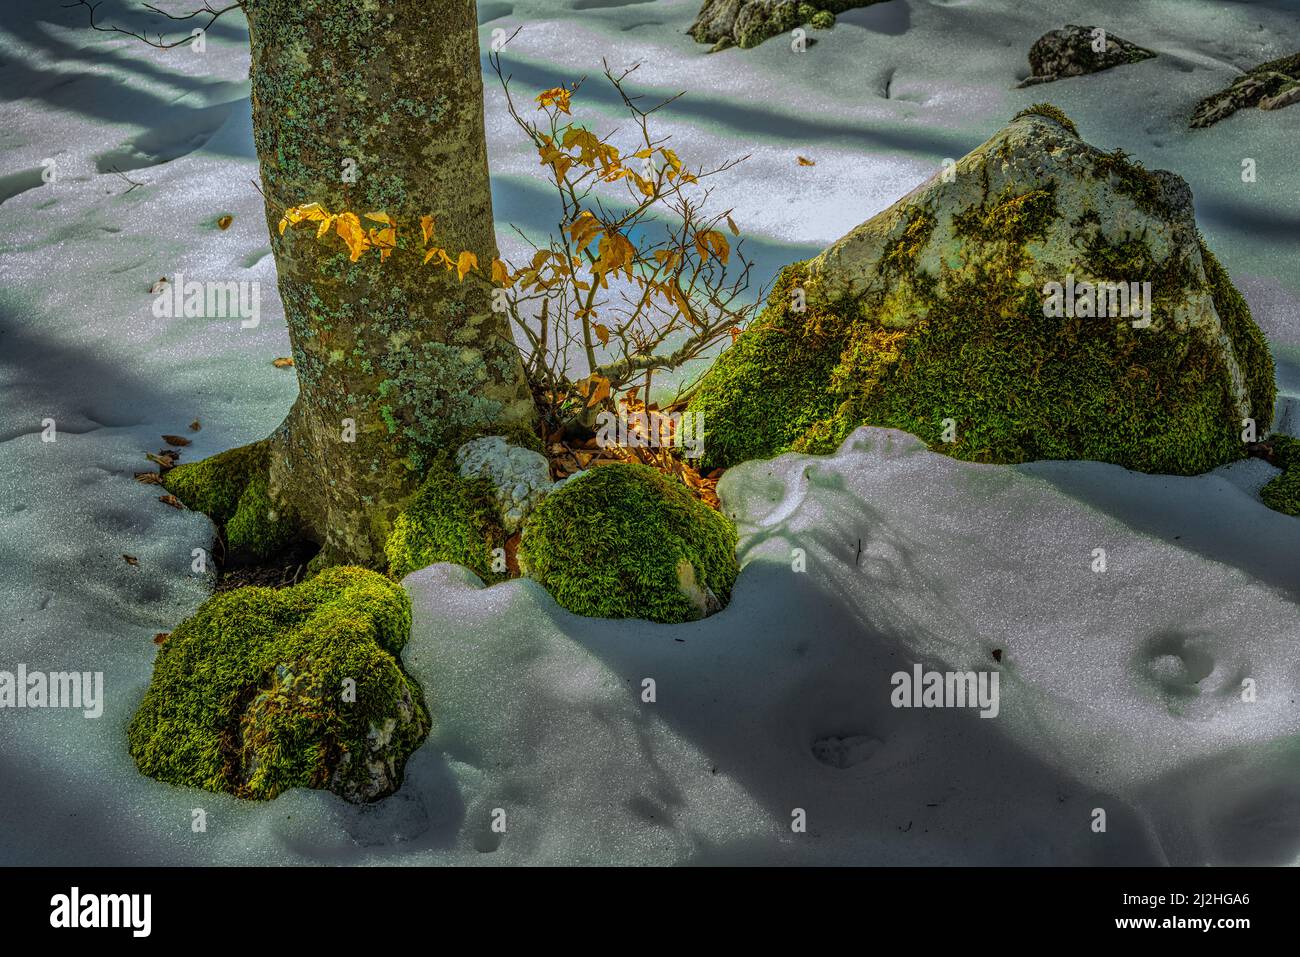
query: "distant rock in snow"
1269, 86
1077, 51
747, 23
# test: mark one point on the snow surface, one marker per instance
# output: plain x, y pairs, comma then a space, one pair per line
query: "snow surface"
1118, 689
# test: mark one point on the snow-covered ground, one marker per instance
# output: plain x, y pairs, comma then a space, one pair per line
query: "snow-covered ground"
1120, 689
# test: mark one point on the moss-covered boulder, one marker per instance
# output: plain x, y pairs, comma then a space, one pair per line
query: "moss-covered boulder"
1269, 86
231, 489
939, 317
626, 541
265, 689
747, 23
1078, 51
449, 519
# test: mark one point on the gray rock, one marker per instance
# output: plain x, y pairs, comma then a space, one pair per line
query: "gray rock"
520, 478
747, 23
1269, 86
1070, 52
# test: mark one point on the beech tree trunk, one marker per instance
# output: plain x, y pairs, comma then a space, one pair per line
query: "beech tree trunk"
377, 106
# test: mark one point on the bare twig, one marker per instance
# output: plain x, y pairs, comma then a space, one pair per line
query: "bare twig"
126, 179
160, 43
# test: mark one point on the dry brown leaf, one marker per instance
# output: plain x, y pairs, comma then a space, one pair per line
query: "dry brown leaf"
164, 459
194, 426
225, 221
162, 636
805, 161
512, 552
148, 478
171, 500
283, 362
130, 560
176, 440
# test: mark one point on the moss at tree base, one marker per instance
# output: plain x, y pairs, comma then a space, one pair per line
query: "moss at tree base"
231, 489
625, 541
263, 690
449, 519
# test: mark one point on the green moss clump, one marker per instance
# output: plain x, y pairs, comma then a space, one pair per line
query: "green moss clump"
769, 388
1052, 112
449, 519
231, 489
1282, 494
759, 22
1010, 218
1247, 340
263, 690
1133, 179
626, 541
1286, 451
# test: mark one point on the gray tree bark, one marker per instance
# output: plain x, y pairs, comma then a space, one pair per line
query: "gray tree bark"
391, 89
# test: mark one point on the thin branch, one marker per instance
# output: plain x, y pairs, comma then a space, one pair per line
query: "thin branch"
161, 44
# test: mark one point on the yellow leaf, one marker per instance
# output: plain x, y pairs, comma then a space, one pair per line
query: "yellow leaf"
805, 161
602, 333
583, 230
324, 226
711, 242
284, 224
348, 226
465, 263
667, 258
426, 228
283, 362
615, 253
380, 218
645, 153
500, 274
442, 256
385, 240
601, 391
557, 97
